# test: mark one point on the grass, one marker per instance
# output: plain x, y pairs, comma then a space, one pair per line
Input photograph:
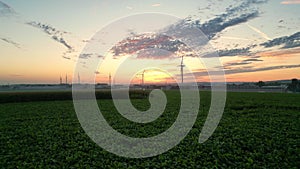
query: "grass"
258, 130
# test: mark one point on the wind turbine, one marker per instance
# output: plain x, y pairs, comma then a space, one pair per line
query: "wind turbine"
181, 69
109, 79
60, 80
143, 76
78, 78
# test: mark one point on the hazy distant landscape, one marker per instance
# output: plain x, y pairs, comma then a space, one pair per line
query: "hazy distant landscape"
278, 86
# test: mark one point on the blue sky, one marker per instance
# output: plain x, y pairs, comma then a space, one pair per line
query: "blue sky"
41, 40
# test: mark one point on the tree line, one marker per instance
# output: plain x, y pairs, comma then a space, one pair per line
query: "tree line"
294, 86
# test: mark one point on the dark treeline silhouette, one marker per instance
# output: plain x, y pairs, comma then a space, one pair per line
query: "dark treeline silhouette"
294, 86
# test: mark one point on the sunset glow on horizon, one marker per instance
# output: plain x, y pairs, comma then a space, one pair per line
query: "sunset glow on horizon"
43, 45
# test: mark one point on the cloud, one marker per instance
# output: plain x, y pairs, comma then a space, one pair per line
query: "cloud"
234, 52
287, 41
156, 5
253, 60
137, 43
290, 2
233, 16
85, 55
280, 53
244, 62
16, 75
154, 54
214, 26
236, 64
6, 10
62, 41
46, 28
89, 55
17, 45
247, 69
66, 57
234, 71
55, 34
244, 5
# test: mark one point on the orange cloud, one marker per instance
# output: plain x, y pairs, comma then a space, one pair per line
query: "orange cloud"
264, 75
289, 2
280, 53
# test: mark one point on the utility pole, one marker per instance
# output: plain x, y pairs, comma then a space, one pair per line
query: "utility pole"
66, 79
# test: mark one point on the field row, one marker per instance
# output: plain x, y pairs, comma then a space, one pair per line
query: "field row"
258, 130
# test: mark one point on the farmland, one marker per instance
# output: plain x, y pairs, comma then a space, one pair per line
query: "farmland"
257, 130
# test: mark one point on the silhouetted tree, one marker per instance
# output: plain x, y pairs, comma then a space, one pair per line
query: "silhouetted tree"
294, 86
260, 84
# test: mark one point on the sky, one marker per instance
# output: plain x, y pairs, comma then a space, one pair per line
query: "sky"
41, 41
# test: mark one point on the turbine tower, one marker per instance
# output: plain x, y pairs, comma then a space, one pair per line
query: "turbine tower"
143, 75
78, 78
143, 78
60, 80
181, 69
109, 79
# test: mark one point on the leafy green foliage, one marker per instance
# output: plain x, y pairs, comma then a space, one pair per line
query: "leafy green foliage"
15, 97
258, 130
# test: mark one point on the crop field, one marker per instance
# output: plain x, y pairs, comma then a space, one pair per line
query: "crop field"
257, 130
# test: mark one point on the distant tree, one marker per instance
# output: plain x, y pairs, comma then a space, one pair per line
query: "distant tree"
295, 82
260, 84
294, 86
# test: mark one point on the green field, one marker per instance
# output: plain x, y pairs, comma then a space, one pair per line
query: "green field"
258, 130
